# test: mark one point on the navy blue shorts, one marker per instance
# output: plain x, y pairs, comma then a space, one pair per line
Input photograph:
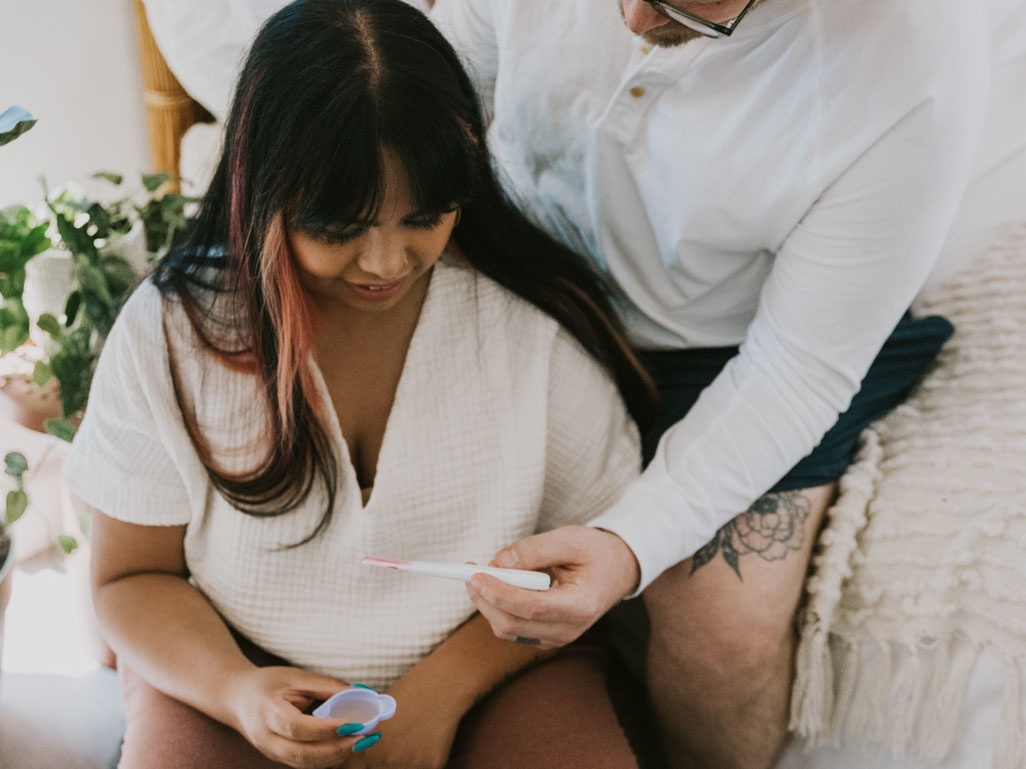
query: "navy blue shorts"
903, 361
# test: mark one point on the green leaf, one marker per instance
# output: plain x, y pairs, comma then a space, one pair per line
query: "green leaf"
17, 501
94, 282
111, 177
67, 543
152, 181
15, 464
12, 284
75, 238
13, 123
73, 366
119, 273
49, 324
21, 238
60, 428
14, 325
11, 338
41, 373
71, 308
99, 216
36, 241
98, 315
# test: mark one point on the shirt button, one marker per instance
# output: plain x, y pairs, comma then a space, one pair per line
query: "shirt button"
637, 91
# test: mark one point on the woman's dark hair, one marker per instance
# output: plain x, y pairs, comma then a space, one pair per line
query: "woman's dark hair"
328, 87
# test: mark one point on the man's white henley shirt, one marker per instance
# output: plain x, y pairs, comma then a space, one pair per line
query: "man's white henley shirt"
787, 189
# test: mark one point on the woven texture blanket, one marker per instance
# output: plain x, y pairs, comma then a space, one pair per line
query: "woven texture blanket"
924, 553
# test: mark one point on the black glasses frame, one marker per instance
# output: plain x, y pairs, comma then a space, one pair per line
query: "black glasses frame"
697, 23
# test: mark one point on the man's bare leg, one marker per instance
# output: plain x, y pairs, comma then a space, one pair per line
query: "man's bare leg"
721, 650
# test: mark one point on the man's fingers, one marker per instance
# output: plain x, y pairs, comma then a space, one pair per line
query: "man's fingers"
539, 551
563, 603
514, 612
545, 636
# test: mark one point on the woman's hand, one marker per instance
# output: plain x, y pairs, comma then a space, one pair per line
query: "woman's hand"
267, 708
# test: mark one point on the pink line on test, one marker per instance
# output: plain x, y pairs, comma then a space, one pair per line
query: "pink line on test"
388, 563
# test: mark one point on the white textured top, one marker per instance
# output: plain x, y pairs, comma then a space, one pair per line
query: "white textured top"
787, 188
502, 426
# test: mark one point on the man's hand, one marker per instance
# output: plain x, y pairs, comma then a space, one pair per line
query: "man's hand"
592, 569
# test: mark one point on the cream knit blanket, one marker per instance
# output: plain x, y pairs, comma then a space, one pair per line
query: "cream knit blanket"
924, 551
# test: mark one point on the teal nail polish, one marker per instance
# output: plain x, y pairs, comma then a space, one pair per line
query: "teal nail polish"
362, 686
346, 729
366, 742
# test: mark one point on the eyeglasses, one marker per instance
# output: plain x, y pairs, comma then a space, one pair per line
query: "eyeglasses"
697, 23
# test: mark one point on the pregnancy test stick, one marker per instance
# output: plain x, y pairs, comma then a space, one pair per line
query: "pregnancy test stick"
532, 580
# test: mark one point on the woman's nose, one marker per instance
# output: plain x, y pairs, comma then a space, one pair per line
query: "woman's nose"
642, 17
381, 257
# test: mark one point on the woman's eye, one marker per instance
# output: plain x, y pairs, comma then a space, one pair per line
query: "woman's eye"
425, 222
338, 237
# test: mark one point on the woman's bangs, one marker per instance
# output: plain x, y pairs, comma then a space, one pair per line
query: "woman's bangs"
344, 183
438, 158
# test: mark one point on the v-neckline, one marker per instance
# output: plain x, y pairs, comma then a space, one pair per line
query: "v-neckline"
351, 479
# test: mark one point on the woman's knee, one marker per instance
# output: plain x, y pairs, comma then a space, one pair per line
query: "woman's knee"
557, 715
163, 733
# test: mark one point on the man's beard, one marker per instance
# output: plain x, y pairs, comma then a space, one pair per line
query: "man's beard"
669, 35
673, 33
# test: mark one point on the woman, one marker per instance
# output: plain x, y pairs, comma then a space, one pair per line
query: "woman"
362, 348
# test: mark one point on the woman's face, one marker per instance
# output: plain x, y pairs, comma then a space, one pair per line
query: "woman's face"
373, 266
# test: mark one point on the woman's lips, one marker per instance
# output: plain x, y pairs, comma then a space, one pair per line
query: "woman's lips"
377, 292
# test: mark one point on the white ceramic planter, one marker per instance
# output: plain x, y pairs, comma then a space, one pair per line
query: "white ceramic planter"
49, 276
132, 246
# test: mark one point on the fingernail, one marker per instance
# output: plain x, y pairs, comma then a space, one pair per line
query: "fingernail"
477, 584
366, 742
507, 559
362, 686
349, 729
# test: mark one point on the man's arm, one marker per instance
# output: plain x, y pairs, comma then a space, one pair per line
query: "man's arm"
839, 284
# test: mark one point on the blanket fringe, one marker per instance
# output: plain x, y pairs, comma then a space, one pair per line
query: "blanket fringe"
909, 701
948, 680
812, 696
909, 689
1010, 748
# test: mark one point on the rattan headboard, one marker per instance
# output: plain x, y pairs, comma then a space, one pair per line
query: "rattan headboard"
170, 111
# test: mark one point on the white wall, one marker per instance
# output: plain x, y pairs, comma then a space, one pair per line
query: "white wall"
74, 64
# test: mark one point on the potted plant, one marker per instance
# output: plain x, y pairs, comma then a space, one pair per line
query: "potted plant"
13, 123
65, 270
14, 506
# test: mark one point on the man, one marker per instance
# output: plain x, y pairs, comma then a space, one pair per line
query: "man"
768, 185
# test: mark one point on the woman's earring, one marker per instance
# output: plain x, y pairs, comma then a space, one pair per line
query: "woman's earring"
459, 215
